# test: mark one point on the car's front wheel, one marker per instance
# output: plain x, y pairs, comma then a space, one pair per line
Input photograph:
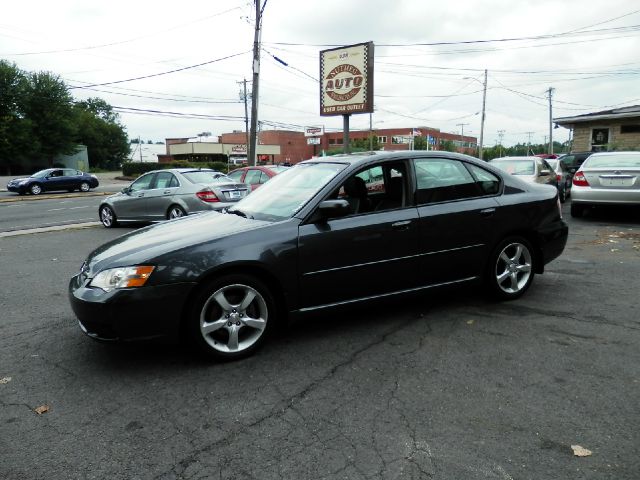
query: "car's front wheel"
231, 317
510, 271
563, 193
84, 187
108, 216
35, 189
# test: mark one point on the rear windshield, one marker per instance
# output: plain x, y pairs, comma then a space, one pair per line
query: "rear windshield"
611, 161
207, 177
516, 167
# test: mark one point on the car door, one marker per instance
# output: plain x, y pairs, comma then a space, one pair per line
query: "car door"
54, 180
457, 218
159, 197
132, 204
254, 178
365, 254
70, 179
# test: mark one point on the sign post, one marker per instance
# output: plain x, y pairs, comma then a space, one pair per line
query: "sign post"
346, 83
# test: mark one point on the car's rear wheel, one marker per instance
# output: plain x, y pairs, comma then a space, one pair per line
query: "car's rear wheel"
84, 187
35, 189
175, 211
231, 317
577, 210
511, 268
108, 216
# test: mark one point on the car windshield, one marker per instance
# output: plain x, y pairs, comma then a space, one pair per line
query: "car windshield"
285, 194
207, 177
611, 161
41, 174
516, 167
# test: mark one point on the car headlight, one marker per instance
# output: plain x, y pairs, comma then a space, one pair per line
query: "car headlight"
23, 182
123, 277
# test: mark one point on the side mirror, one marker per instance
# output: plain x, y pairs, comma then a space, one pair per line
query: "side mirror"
126, 190
573, 170
545, 173
333, 208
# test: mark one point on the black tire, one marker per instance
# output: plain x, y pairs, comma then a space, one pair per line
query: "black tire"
577, 210
108, 216
563, 193
231, 317
85, 187
35, 189
175, 211
510, 270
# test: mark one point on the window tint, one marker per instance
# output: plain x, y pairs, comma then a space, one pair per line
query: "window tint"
237, 175
68, 172
253, 177
165, 180
142, 183
487, 182
441, 180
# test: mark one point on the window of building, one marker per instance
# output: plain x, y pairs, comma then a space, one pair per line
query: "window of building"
599, 139
382, 139
630, 129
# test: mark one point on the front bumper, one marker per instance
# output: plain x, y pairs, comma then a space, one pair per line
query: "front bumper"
129, 314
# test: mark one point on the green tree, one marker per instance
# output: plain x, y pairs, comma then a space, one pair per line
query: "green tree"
365, 144
49, 107
15, 129
100, 130
448, 146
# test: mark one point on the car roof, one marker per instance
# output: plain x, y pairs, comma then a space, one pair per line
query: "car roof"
604, 154
518, 158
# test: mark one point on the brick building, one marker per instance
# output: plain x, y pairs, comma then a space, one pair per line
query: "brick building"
285, 146
617, 129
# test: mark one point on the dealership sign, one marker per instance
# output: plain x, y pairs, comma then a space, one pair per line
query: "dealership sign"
346, 80
313, 131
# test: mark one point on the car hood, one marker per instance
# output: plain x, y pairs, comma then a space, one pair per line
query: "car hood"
19, 179
151, 242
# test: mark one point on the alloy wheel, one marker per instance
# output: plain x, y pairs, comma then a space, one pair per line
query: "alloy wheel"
513, 268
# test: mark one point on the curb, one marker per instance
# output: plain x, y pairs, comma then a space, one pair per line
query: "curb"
31, 198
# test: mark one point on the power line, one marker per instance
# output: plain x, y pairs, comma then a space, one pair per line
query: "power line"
161, 73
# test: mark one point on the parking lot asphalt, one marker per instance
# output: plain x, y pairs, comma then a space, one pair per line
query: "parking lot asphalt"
442, 386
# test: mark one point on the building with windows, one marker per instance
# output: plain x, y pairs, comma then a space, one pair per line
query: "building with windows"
290, 147
616, 129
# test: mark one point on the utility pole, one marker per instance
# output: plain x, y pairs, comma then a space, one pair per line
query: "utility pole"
370, 132
529, 143
140, 147
550, 92
500, 135
461, 125
251, 158
484, 102
243, 96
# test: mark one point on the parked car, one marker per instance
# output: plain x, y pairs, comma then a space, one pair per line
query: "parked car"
573, 160
529, 169
546, 156
607, 178
256, 176
171, 193
295, 246
564, 176
52, 179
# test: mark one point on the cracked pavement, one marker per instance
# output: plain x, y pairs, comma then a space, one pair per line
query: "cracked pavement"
441, 386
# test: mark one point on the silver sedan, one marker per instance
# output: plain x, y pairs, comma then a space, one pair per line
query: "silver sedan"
529, 169
607, 178
171, 193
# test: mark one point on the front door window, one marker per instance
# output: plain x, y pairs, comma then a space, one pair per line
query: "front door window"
599, 139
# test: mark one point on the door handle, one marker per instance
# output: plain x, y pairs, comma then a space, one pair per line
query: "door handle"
401, 225
167, 191
487, 212
140, 195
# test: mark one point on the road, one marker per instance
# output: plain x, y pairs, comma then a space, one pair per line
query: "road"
446, 386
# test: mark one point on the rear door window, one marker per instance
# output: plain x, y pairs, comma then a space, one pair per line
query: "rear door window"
442, 179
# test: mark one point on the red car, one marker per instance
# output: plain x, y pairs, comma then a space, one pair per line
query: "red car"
256, 176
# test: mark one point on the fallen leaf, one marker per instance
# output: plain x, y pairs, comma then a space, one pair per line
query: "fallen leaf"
470, 322
5, 380
579, 451
615, 249
42, 409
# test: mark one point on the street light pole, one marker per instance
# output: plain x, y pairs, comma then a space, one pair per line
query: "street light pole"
252, 157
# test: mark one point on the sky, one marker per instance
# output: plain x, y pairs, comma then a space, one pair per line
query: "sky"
176, 69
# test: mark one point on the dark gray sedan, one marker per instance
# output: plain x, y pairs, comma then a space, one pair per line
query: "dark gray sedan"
171, 193
316, 237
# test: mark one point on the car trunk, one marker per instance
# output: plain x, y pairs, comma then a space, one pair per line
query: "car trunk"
613, 178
